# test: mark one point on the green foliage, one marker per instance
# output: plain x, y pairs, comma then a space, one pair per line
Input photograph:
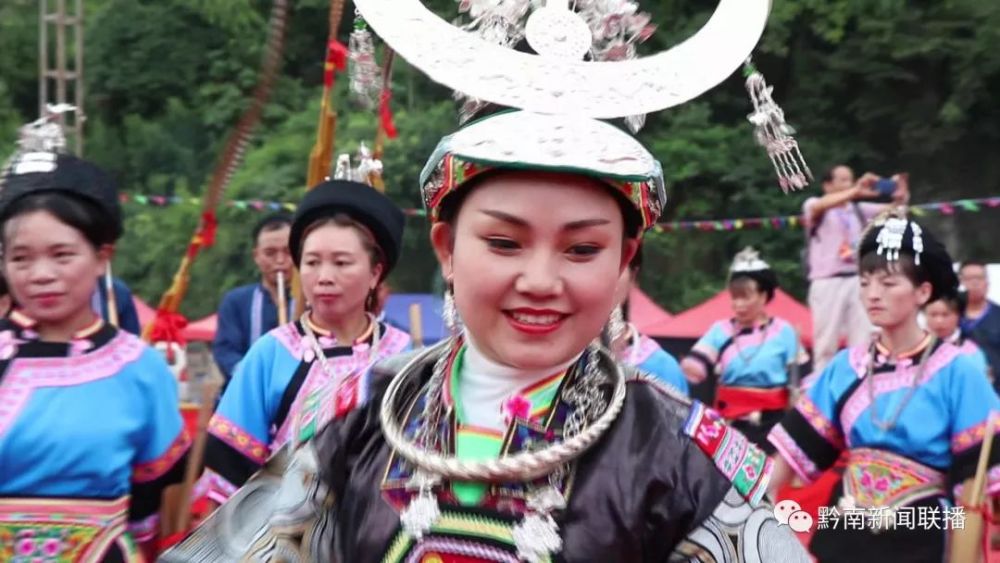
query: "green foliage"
884, 85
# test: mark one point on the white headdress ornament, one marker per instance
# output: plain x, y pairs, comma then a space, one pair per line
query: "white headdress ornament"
748, 260
367, 169
890, 238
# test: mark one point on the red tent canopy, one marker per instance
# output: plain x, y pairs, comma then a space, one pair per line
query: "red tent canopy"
696, 321
643, 312
145, 312
202, 330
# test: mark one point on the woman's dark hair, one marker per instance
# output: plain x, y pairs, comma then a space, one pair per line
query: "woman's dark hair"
763, 281
874, 262
79, 213
452, 203
952, 302
827, 176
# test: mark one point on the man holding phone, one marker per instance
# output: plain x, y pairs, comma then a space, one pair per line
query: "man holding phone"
834, 223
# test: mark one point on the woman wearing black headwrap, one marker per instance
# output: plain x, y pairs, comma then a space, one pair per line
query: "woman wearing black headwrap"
909, 409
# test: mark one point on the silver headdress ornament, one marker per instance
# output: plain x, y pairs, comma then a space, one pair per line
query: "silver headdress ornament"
774, 134
748, 260
601, 30
558, 80
366, 168
892, 230
38, 143
363, 72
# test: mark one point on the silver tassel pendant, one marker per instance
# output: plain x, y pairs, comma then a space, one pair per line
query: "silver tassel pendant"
423, 511
774, 134
363, 73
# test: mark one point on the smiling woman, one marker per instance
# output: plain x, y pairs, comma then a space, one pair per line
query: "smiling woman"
90, 427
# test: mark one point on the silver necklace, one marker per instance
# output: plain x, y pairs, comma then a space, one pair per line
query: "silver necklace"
537, 535
321, 355
739, 348
885, 426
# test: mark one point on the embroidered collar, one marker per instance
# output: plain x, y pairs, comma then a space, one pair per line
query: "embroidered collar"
914, 352
762, 325
327, 335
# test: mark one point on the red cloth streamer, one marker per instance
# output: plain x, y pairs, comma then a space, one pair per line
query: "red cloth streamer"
208, 227
168, 327
336, 59
385, 114
736, 402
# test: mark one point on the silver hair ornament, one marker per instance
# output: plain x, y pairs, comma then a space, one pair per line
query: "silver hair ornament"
774, 134
890, 238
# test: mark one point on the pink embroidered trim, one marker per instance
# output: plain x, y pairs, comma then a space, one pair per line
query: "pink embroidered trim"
24, 375
145, 529
288, 336
793, 454
889, 382
819, 422
352, 386
218, 488
152, 470
230, 433
972, 436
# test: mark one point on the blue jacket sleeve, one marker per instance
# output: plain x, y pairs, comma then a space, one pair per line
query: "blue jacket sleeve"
230, 341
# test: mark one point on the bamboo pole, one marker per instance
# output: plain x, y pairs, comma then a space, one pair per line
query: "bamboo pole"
967, 543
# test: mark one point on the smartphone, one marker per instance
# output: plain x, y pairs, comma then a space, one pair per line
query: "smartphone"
885, 187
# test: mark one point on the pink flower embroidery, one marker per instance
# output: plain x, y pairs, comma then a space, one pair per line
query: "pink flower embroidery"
51, 547
8, 345
517, 406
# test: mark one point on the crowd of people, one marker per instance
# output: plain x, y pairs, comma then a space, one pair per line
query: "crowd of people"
545, 427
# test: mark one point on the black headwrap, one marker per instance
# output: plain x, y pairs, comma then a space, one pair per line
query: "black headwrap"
360, 202
892, 235
35, 172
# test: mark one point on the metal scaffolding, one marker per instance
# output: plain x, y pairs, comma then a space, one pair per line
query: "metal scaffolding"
60, 62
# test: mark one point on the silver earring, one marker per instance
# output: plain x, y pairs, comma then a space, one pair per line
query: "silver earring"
451, 317
616, 326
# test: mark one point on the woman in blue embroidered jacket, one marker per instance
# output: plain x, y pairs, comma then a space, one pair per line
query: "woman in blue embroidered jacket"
90, 426
345, 239
752, 353
910, 409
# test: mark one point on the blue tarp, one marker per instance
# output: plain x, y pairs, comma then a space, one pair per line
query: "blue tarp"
397, 314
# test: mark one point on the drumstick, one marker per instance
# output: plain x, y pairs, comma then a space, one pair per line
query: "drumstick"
209, 391
416, 326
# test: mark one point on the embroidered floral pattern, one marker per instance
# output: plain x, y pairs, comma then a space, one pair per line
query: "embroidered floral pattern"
516, 407
972, 436
59, 530
739, 460
238, 439
154, 469
877, 478
819, 422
